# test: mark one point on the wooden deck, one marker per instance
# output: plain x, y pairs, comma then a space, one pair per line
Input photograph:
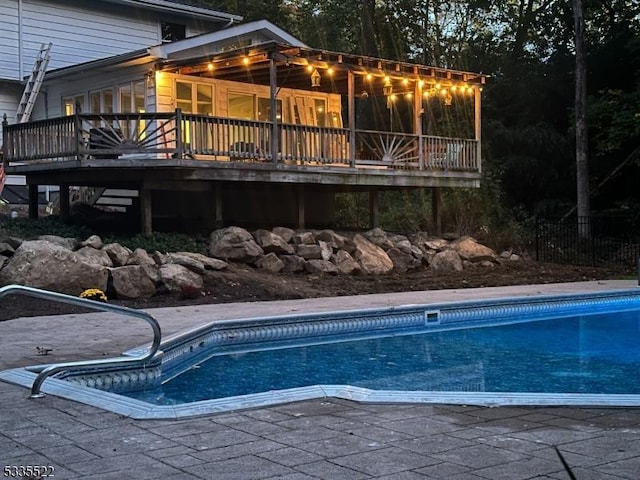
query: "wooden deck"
120, 149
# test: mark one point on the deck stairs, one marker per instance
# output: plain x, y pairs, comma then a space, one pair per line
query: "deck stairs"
112, 199
32, 87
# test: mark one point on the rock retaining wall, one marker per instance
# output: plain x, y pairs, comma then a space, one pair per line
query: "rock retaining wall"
70, 266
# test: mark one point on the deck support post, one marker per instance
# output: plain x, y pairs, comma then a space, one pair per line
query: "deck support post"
478, 125
217, 198
374, 208
33, 201
146, 211
273, 93
436, 218
64, 201
300, 204
352, 117
417, 121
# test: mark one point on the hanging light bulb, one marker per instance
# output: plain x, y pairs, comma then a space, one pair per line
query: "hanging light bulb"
448, 99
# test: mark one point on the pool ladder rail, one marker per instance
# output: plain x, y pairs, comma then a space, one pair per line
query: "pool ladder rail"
48, 370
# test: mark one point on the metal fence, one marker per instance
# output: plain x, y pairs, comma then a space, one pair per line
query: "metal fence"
595, 240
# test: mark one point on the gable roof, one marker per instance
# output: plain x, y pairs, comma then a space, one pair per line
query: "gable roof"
181, 9
260, 31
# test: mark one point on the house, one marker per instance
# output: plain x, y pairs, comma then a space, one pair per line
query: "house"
82, 31
246, 125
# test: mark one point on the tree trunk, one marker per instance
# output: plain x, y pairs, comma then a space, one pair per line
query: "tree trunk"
369, 46
582, 157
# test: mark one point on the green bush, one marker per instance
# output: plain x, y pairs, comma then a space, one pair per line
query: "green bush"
29, 229
163, 242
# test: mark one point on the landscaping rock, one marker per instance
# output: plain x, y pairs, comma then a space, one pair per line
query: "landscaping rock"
325, 250
186, 261
174, 277
234, 244
6, 249
271, 263
118, 254
372, 258
98, 257
309, 252
47, 265
68, 243
320, 266
469, 249
140, 257
345, 263
335, 240
93, 241
285, 233
270, 242
208, 262
14, 242
292, 263
132, 281
402, 261
3, 261
447, 261
379, 237
303, 238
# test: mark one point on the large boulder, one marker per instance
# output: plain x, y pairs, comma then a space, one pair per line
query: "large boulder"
335, 240
448, 261
141, 257
309, 252
284, 232
208, 262
6, 249
175, 277
93, 255
320, 266
292, 263
186, 261
47, 265
372, 258
270, 262
379, 237
345, 263
68, 243
93, 241
118, 254
3, 260
132, 281
469, 249
235, 244
272, 243
403, 261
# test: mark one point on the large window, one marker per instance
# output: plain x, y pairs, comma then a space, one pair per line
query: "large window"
101, 101
132, 97
71, 105
242, 106
196, 98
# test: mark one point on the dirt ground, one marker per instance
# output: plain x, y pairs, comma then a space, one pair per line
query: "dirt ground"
242, 283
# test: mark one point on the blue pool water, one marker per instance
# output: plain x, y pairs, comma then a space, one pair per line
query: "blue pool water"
583, 354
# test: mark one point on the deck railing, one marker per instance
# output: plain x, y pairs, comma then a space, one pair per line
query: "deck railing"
177, 135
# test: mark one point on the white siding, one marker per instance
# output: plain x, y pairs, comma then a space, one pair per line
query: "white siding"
9, 39
9, 97
80, 31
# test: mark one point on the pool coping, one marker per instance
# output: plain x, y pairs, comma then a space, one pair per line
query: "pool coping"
142, 410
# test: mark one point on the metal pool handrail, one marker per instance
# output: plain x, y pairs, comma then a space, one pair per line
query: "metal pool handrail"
83, 302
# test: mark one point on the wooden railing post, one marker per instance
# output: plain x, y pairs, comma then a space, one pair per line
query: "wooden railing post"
77, 134
5, 124
179, 144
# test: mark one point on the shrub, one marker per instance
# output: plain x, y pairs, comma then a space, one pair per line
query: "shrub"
94, 294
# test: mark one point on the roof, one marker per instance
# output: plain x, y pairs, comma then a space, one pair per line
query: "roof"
223, 40
180, 9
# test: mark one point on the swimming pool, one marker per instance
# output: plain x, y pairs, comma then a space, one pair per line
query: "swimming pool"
552, 350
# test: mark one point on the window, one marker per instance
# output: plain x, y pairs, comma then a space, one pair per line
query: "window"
173, 31
241, 106
132, 97
196, 98
71, 105
101, 101
264, 109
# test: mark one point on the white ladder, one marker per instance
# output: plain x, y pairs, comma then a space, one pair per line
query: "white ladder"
32, 88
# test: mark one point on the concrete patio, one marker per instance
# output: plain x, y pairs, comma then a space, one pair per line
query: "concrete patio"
320, 439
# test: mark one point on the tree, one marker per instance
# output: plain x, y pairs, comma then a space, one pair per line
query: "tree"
582, 151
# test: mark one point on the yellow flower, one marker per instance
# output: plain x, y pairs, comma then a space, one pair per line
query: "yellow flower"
94, 294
